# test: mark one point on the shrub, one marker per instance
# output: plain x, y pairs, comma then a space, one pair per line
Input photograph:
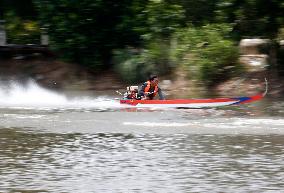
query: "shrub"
21, 31
207, 52
133, 65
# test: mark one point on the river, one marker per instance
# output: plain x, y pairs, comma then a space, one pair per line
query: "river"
53, 142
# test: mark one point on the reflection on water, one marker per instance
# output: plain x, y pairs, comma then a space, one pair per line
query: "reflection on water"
113, 162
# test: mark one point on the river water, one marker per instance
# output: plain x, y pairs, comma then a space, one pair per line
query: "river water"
51, 142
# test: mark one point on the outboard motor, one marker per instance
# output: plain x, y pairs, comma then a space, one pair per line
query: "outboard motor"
131, 92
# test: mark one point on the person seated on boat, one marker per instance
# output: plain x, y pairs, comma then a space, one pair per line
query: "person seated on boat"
150, 89
131, 92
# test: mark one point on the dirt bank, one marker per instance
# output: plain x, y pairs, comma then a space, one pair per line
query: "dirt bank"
251, 83
55, 74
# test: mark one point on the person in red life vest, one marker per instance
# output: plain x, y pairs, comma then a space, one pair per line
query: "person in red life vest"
150, 89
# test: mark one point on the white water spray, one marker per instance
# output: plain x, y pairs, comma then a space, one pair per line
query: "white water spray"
31, 95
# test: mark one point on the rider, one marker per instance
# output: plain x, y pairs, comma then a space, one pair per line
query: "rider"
150, 89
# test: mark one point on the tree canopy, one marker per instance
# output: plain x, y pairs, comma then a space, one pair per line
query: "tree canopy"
94, 32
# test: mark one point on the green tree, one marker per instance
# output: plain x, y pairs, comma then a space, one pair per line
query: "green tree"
88, 31
21, 31
207, 53
253, 17
161, 21
23, 9
197, 12
21, 21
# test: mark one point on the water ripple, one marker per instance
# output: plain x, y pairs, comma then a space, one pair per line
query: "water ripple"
114, 162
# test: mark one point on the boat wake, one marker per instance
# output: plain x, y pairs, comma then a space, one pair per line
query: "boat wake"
31, 96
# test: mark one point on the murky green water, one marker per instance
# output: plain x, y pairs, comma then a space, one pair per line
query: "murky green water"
116, 162
93, 145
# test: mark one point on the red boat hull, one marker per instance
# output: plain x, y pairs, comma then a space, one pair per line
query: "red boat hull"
192, 103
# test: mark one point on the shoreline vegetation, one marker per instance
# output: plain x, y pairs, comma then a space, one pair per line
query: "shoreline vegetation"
196, 48
55, 74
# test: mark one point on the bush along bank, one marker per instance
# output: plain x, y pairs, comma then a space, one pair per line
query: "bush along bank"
207, 54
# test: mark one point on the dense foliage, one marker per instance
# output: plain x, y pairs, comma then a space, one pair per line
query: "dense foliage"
88, 31
21, 31
137, 37
21, 22
206, 52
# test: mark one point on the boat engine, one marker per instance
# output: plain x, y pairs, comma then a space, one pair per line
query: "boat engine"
131, 92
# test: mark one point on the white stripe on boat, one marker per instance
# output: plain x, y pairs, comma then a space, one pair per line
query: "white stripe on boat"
189, 105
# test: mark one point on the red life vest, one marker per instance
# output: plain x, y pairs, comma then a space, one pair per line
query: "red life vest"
147, 89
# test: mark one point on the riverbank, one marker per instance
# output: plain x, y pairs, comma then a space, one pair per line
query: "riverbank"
250, 83
54, 74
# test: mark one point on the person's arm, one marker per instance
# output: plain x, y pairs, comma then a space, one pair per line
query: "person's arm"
161, 95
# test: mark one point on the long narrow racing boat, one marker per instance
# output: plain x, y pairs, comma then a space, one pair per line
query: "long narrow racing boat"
193, 103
